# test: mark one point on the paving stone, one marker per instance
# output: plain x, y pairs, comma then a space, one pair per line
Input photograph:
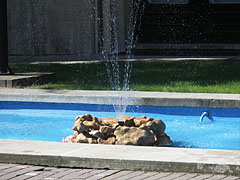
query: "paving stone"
24, 172
117, 175
77, 174
1, 174
90, 174
187, 176
9, 169
232, 178
144, 176
19, 172
174, 176
28, 175
103, 174
42, 175
22, 166
131, 175
158, 176
217, 177
62, 173
201, 177
3, 167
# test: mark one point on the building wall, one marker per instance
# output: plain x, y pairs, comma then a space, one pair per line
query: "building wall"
53, 29
194, 23
107, 20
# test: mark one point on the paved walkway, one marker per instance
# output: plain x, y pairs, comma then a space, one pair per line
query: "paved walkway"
22, 172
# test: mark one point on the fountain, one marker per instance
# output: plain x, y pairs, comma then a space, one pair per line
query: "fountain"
206, 114
120, 130
120, 80
140, 131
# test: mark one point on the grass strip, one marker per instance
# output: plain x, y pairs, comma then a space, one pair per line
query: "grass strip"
183, 76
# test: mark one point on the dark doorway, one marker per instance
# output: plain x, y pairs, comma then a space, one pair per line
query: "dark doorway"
197, 25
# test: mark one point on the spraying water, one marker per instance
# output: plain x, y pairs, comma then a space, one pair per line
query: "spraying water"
120, 80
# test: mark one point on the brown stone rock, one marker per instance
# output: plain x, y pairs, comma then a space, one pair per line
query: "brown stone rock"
92, 125
106, 130
81, 138
157, 126
75, 134
74, 140
113, 122
110, 140
76, 124
163, 141
80, 127
95, 119
134, 136
128, 121
142, 117
85, 117
88, 135
132, 131
97, 134
142, 120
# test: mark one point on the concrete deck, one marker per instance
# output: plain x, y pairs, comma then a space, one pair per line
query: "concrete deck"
122, 157
157, 159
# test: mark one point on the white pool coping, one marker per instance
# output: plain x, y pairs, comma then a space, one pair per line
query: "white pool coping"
121, 157
133, 98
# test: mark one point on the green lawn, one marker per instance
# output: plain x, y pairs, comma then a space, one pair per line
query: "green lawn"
189, 76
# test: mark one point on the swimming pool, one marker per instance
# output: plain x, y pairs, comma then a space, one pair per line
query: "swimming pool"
53, 121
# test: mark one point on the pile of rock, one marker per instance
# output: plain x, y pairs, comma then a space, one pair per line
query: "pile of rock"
126, 130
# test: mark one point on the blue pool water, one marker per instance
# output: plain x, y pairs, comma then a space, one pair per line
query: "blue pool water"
53, 121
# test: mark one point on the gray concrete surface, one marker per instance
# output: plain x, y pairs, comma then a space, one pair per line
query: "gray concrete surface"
134, 98
26, 79
132, 158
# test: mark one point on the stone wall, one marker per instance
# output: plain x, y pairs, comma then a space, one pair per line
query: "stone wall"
58, 29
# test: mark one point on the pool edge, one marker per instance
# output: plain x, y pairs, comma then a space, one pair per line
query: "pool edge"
134, 98
120, 157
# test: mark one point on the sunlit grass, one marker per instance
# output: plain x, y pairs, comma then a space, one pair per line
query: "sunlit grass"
187, 87
191, 76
